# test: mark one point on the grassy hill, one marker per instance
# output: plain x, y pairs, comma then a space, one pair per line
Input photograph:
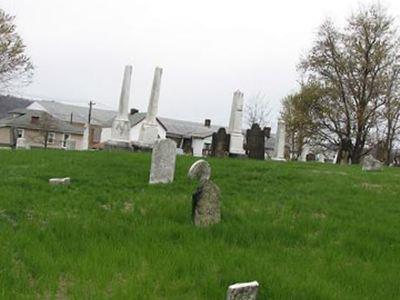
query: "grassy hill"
303, 231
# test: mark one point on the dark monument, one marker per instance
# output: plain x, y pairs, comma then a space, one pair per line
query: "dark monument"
220, 143
255, 142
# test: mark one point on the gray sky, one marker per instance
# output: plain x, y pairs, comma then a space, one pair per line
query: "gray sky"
207, 48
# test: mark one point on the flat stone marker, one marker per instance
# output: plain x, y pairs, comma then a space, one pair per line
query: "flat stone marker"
206, 207
60, 181
243, 291
163, 162
371, 164
200, 171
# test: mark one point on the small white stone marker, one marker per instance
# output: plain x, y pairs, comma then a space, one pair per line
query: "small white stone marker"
243, 291
60, 181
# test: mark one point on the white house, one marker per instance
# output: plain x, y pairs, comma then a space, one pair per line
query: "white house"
190, 137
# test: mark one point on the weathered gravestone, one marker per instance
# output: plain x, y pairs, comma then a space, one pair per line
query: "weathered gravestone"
163, 161
206, 207
369, 163
255, 142
220, 143
243, 291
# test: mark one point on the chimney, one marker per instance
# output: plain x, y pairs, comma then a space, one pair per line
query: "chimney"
207, 122
134, 111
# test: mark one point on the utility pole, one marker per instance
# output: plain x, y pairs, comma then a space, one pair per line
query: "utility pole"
91, 104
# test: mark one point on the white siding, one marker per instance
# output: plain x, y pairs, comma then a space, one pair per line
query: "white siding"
135, 131
105, 135
198, 145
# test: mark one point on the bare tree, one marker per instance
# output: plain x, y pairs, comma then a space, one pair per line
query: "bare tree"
257, 110
15, 65
352, 66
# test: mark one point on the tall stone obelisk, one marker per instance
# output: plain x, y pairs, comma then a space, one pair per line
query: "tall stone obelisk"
121, 125
149, 131
235, 125
280, 141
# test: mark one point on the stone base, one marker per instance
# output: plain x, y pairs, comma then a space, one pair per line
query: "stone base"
236, 155
148, 135
117, 146
120, 130
140, 147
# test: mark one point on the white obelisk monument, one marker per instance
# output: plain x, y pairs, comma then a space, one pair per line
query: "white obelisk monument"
149, 131
235, 125
279, 151
121, 126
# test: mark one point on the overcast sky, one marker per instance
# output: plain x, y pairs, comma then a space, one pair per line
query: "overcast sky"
207, 48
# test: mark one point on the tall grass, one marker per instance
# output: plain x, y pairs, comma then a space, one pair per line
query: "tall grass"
304, 231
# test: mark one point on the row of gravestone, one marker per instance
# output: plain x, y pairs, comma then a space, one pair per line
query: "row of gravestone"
255, 142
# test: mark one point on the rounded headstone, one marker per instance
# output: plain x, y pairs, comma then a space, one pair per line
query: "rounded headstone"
200, 171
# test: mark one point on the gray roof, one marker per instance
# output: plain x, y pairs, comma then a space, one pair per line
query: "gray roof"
80, 114
178, 128
187, 128
46, 121
8, 103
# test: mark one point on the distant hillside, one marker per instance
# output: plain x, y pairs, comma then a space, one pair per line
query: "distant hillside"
8, 103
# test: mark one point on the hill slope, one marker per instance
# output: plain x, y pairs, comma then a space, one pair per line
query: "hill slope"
304, 231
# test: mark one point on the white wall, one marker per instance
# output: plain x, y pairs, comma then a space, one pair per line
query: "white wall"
135, 131
105, 135
198, 145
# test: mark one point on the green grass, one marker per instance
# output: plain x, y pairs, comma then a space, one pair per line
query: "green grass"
303, 231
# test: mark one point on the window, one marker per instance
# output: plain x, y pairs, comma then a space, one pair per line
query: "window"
51, 137
20, 133
65, 139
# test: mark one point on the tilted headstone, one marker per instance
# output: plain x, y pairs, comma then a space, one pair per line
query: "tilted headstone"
60, 181
220, 143
163, 161
369, 163
243, 291
255, 142
200, 171
22, 144
206, 207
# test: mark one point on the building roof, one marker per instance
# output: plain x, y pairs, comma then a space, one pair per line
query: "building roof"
104, 118
62, 111
45, 122
8, 103
178, 128
187, 129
